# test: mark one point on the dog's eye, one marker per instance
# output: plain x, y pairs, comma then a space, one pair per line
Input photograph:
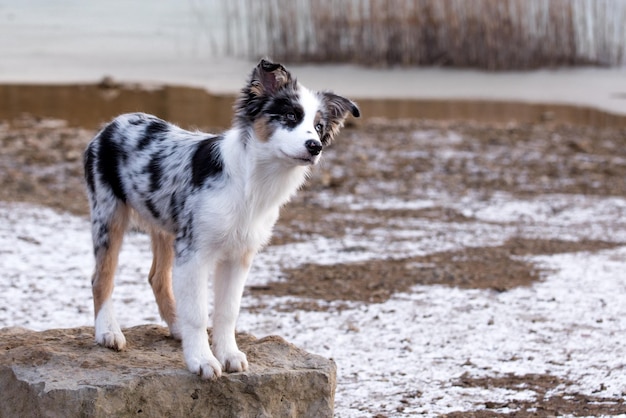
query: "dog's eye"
291, 117
319, 128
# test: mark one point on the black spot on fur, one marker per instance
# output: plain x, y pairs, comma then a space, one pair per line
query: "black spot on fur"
153, 210
110, 155
88, 161
175, 208
286, 110
187, 231
155, 169
101, 240
183, 244
206, 160
154, 132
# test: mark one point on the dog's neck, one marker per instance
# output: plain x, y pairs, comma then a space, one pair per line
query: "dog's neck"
266, 181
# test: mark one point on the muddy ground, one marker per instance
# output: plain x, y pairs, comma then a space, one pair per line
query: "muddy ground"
40, 162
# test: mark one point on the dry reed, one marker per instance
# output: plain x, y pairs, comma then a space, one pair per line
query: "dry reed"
489, 34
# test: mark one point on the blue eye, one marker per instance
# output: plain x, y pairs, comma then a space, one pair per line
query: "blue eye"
319, 127
291, 117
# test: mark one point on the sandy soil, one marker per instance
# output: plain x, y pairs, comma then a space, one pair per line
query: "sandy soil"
400, 161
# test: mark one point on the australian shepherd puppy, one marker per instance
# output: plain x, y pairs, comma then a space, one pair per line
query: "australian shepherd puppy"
209, 203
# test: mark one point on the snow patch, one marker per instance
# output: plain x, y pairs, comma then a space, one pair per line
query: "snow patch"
401, 357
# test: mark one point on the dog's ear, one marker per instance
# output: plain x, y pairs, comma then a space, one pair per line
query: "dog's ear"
269, 77
266, 79
336, 109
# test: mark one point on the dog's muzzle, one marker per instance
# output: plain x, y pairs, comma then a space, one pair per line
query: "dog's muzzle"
314, 147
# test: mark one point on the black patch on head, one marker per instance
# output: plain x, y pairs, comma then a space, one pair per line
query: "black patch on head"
88, 162
267, 80
285, 109
110, 155
249, 106
155, 169
206, 160
154, 132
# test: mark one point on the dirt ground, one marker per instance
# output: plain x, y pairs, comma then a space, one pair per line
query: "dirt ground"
40, 162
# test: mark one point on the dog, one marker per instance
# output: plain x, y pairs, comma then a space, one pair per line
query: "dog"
209, 203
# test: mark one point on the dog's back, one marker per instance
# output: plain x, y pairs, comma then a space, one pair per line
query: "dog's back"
145, 162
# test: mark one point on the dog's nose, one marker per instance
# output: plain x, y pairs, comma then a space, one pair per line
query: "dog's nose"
314, 147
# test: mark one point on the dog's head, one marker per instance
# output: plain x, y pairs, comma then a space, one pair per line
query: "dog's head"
294, 121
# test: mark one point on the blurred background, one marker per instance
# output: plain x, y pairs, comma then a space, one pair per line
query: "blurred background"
485, 34
532, 51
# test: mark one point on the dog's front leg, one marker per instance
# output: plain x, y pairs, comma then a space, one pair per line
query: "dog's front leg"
230, 277
190, 285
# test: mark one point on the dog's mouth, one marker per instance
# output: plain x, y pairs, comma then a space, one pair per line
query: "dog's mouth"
310, 160
303, 160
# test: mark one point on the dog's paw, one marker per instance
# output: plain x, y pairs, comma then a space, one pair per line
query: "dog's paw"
107, 330
198, 355
112, 339
234, 361
207, 368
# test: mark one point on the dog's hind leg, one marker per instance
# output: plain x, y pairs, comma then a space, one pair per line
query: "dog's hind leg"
160, 278
108, 233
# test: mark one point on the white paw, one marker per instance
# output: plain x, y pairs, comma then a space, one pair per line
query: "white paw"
233, 361
205, 367
198, 356
108, 332
111, 339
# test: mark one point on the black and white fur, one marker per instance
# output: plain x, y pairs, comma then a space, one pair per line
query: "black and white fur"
209, 203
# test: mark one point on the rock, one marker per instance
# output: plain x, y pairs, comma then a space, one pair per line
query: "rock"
63, 373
